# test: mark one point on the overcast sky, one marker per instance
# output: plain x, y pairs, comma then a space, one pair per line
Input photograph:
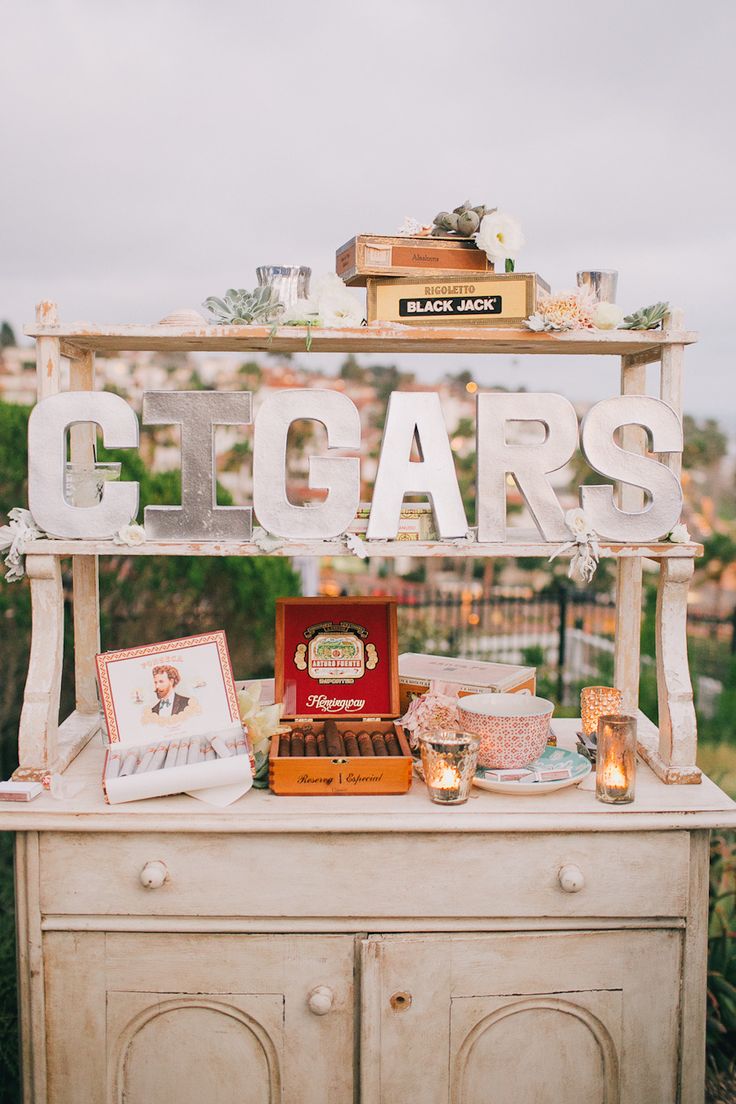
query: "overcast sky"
154, 153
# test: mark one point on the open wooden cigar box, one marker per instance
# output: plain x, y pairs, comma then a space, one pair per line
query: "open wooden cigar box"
337, 675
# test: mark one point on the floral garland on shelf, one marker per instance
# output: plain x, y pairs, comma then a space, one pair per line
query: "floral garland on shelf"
22, 529
584, 545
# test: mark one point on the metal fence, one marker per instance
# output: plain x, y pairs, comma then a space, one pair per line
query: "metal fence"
568, 635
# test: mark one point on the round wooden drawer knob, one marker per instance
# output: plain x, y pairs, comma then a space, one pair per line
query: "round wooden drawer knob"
571, 878
320, 1000
154, 874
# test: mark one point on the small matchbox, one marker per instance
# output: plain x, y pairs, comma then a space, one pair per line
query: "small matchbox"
510, 774
20, 791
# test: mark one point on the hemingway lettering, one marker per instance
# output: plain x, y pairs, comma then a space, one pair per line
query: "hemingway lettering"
334, 705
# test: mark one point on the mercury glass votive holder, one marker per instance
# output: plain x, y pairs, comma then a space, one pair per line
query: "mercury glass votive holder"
601, 283
594, 702
615, 771
449, 760
289, 282
84, 483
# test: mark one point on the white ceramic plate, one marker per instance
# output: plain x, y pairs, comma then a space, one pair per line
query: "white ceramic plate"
550, 758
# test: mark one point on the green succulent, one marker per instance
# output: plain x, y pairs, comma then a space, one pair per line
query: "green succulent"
462, 221
239, 307
646, 318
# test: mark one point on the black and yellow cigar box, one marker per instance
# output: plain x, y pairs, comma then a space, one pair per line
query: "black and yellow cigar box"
496, 299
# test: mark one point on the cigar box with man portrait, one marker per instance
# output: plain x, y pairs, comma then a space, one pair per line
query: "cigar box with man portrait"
172, 720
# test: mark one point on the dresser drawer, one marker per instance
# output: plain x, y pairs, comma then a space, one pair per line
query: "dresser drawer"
366, 875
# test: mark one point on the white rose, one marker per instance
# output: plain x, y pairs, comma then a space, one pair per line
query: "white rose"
578, 523
679, 534
130, 534
500, 236
607, 316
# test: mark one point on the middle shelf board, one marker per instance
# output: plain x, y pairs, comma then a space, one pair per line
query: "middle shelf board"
523, 545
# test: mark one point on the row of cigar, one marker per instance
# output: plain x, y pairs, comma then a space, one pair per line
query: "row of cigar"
330, 743
174, 753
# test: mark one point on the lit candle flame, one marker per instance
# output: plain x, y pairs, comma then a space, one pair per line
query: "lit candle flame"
448, 779
614, 776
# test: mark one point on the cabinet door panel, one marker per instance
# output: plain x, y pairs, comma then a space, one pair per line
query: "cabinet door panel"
149, 1017
543, 1017
546, 1041
195, 1048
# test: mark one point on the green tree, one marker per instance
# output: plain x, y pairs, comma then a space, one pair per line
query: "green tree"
705, 443
7, 336
351, 370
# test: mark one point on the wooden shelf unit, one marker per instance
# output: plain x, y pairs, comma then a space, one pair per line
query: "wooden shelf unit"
46, 746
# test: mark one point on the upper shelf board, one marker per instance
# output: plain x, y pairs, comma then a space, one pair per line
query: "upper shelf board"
646, 345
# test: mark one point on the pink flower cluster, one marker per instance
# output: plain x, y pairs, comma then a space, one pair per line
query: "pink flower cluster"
435, 711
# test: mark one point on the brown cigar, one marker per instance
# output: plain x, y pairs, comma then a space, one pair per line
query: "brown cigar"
392, 744
365, 744
351, 744
310, 744
321, 744
297, 744
284, 745
335, 745
335, 742
379, 744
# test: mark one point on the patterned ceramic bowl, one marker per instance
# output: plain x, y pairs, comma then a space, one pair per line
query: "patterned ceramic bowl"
513, 728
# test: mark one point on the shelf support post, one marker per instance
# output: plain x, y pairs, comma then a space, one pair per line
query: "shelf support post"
85, 569
629, 570
673, 760
39, 719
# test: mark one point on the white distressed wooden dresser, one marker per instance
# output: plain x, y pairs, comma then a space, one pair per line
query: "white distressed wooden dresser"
373, 949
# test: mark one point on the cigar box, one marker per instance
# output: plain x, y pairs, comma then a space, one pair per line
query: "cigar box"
384, 255
337, 676
460, 676
493, 299
416, 522
172, 720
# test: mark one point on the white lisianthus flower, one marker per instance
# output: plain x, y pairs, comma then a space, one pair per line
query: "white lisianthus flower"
578, 523
131, 535
607, 316
679, 534
500, 236
337, 306
304, 312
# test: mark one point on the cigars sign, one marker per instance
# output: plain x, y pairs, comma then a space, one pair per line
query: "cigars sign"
412, 418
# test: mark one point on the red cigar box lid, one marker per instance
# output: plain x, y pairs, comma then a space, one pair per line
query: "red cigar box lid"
337, 657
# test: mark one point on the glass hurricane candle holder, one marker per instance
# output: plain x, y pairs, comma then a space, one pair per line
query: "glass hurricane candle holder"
84, 483
449, 760
595, 701
615, 771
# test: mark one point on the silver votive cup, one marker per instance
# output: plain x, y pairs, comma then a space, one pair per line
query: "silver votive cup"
289, 282
601, 284
615, 768
449, 760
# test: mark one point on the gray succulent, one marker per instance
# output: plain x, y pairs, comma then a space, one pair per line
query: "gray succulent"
240, 307
462, 222
646, 318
